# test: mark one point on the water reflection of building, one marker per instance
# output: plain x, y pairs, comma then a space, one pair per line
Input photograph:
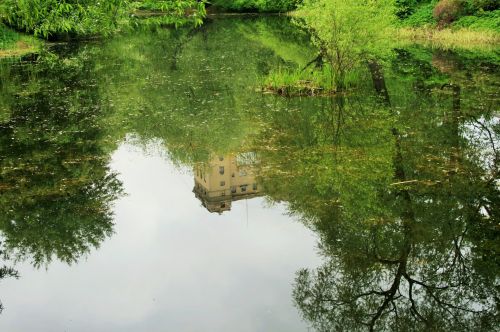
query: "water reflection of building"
225, 179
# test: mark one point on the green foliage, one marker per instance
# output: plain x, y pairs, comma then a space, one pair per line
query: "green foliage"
257, 5
405, 8
421, 16
481, 21
79, 18
52, 18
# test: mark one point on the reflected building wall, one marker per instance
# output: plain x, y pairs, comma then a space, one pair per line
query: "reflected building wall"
225, 179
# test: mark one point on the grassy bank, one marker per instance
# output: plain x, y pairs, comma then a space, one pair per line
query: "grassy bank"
15, 44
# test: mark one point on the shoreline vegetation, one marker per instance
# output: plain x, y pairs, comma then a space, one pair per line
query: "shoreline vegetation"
418, 20
447, 38
355, 38
450, 37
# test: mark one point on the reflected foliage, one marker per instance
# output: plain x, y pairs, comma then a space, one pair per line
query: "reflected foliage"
55, 184
189, 93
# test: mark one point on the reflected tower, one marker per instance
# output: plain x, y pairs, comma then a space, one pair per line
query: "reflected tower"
225, 179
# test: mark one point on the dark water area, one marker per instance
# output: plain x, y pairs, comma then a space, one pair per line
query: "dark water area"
147, 185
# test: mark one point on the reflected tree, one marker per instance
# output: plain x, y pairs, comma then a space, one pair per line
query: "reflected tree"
403, 195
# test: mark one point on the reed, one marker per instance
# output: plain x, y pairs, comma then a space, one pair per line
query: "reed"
451, 38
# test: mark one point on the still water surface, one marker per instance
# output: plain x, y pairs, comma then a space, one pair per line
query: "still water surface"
146, 185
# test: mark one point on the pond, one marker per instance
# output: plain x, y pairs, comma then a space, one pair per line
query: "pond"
146, 184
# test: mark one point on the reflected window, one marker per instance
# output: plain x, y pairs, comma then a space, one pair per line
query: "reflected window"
243, 188
233, 189
221, 158
222, 183
255, 186
221, 170
232, 175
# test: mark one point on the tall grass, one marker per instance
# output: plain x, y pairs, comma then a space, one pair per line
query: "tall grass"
451, 38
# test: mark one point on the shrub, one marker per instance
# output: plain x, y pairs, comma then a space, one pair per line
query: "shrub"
50, 18
447, 11
348, 32
405, 8
486, 5
482, 21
